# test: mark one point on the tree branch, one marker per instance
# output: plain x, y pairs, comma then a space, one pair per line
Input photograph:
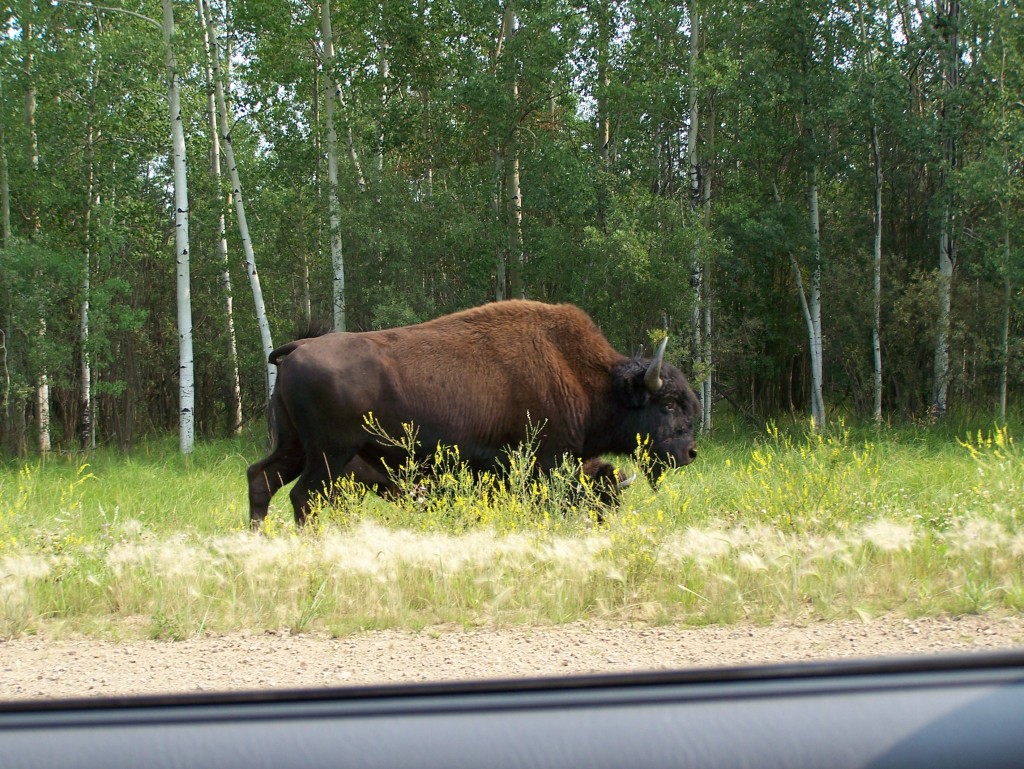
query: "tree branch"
108, 9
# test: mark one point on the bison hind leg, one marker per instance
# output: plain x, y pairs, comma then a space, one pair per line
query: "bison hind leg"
267, 476
317, 477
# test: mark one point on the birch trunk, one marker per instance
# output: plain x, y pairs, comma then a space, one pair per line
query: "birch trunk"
876, 273
333, 89
950, 66
1004, 368
810, 306
236, 194
186, 385
604, 122
502, 174
876, 262
235, 386
305, 295
5, 242
350, 144
945, 292
699, 197
708, 383
5, 184
508, 158
333, 205
814, 304
43, 383
500, 249
87, 433
517, 286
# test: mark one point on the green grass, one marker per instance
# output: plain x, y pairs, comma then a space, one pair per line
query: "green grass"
780, 524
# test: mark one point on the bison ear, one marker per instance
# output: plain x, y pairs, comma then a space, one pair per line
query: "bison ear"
630, 385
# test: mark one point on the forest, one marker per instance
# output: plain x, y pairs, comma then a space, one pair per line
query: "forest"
821, 203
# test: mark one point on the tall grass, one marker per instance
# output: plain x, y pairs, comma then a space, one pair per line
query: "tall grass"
783, 524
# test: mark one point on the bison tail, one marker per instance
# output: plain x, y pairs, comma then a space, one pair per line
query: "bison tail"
284, 350
309, 333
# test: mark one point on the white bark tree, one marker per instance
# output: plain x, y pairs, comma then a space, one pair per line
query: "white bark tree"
5, 184
810, 302
333, 204
1004, 365
235, 399
87, 435
186, 372
43, 383
514, 196
876, 275
949, 13
868, 47
510, 257
813, 303
239, 200
699, 198
5, 242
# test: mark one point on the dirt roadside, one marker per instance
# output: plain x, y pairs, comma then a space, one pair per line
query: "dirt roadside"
35, 667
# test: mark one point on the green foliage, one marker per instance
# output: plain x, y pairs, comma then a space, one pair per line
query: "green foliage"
795, 525
435, 112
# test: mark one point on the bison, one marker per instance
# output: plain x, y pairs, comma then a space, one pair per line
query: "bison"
476, 379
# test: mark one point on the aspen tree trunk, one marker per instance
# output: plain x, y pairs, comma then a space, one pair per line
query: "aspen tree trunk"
43, 383
1004, 364
239, 200
810, 306
708, 383
333, 88
814, 304
876, 262
350, 145
950, 13
604, 122
506, 162
235, 393
501, 184
305, 298
1004, 368
876, 273
385, 75
517, 287
5, 242
428, 133
5, 184
945, 293
186, 386
87, 434
333, 205
699, 196
500, 249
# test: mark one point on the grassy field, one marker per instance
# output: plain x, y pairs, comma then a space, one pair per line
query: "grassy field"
781, 523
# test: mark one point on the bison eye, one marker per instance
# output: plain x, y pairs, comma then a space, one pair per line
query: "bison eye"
668, 406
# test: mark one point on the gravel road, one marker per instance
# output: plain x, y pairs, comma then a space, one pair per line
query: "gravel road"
36, 667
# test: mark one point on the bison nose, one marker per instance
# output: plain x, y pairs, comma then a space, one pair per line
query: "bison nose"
693, 453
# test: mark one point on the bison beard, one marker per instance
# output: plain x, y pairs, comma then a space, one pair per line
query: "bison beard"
476, 379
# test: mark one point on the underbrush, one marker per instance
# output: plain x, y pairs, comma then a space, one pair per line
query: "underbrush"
788, 524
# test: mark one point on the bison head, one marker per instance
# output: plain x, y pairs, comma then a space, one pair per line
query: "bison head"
660, 410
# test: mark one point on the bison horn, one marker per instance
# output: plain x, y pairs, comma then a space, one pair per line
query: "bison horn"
625, 483
653, 376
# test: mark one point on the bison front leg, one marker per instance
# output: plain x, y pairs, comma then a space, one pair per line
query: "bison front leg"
607, 481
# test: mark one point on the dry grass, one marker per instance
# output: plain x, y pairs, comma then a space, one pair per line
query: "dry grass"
790, 528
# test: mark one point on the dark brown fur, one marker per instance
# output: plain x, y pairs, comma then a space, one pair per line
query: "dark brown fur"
477, 379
